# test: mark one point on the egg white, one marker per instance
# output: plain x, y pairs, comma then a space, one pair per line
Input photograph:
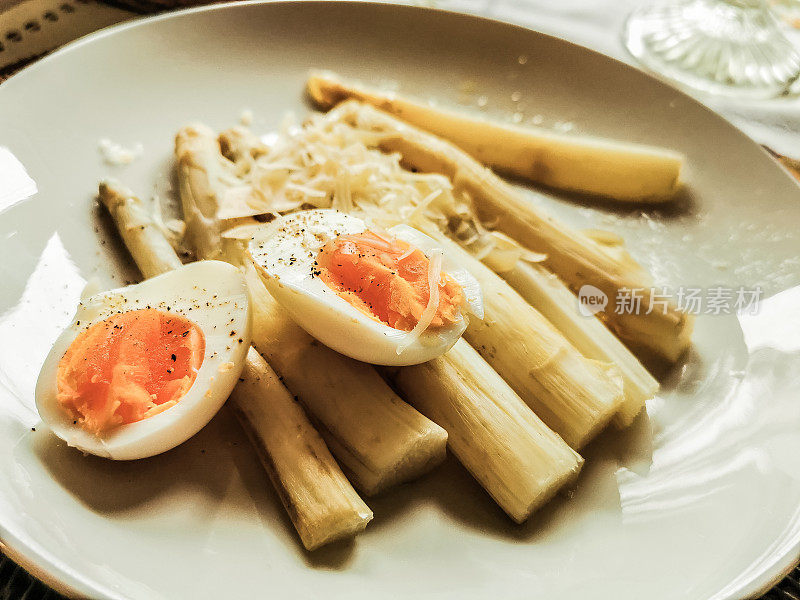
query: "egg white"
284, 253
211, 294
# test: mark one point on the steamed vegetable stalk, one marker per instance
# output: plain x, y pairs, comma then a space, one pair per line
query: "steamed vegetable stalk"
545, 292
570, 254
574, 395
513, 455
320, 501
620, 170
379, 439
149, 248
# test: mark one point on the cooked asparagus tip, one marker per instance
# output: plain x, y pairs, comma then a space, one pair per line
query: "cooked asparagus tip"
150, 250
241, 147
379, 439
507, 448
204, 174
321, 503
624, 171
548, 294
571, 255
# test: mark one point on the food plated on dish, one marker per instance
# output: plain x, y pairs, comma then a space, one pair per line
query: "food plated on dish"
401, 299
672, 506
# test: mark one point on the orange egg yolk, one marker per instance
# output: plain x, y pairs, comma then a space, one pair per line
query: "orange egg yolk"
131, 366
386, 279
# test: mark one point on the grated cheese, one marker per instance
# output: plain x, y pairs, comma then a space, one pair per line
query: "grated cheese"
330, 163
434, 275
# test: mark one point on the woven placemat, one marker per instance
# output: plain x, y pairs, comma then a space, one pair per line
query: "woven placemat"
17, 584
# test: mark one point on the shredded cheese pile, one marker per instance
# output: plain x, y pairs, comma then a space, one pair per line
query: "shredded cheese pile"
328, 163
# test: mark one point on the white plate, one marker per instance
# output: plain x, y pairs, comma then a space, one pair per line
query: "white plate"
707, 506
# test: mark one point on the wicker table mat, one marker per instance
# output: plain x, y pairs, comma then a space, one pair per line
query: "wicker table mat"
15, 582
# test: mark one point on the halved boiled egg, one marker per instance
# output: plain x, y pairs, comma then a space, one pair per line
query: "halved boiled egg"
389, 298
143, 368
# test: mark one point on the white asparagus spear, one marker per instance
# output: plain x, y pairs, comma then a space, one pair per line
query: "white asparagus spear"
548, 294
320, 501
149, 248
620, 170
507, 448
200, 162
574, 395
570, 254
378, 438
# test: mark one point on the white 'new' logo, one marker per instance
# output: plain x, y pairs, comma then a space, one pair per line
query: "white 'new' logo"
591, 300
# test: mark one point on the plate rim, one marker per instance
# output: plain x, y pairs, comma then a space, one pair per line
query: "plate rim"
71, 583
